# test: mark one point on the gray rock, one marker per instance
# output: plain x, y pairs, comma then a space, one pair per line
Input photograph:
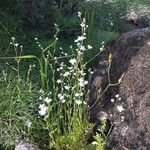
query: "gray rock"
25, 145
139, 16
130, 114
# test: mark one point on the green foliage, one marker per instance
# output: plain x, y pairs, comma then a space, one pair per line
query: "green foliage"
143, 2
58, 109
17, 102
100, 137
74, 140
105, 16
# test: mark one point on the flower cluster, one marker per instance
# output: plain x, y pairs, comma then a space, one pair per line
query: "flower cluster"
117, 99
71, 76
61, 97
16, 45
119, 106
42, 109
68, 80
79, 41
46, 99
38, 43
102, 46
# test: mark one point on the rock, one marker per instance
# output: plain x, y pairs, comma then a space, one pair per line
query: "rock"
138, 16
127, 105
24, 145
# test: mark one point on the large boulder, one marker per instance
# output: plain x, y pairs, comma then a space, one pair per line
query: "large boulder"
126, 105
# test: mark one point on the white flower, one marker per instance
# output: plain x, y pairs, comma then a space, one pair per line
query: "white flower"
79, 52
47, 100
111, 23
49, 93
60, 96
82, 73
148, 43
61, 68
76, 94
112, 100
84, 103
81, 82
62, 64
58, 81
67, 87
94, 143
33, 65
63, 101
85, 82
78, 102
122, 118
60, 48
79, 14
42, 110
103, 42
70, 68
13, 38
28, 123
89, 47
66, 74
55, 24
91, 72
117, 96
41, 91
78, 44
84, 20
80, 38
81, 94
40, 98
16, 44
73, 61
120, 108
82, 24
101, 48
82, 48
